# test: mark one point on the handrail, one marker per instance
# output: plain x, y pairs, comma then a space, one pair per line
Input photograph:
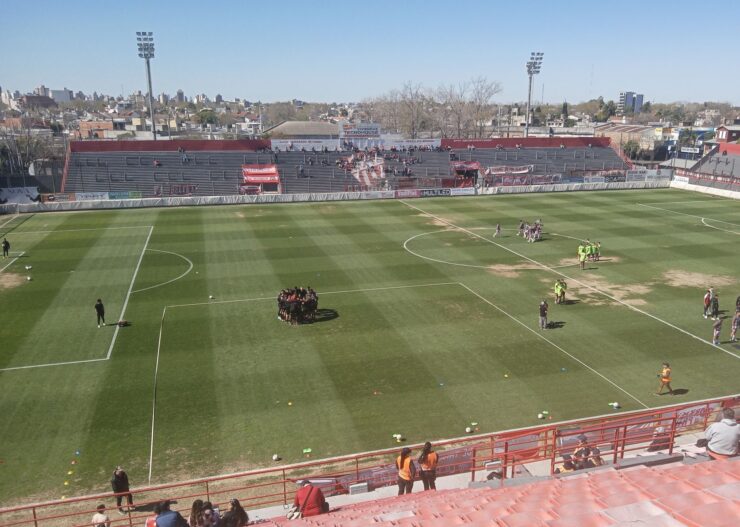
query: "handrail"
621, 433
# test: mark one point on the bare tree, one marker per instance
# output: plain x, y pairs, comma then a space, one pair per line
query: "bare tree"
454, 98
481, 92
412, 101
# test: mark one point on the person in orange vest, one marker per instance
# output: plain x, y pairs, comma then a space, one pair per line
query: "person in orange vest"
406, 471
428, 464
665, 379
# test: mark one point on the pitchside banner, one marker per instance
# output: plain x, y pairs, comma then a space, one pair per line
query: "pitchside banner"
433, 192
19, 195
465, 191
91, 196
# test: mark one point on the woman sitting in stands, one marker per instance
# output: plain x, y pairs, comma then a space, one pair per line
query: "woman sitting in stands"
236, 516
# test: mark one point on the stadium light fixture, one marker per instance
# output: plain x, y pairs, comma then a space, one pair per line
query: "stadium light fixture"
145, 44
534, 65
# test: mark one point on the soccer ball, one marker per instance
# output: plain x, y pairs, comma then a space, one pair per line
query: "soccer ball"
211, 297
28, 278
540, 416
468, 429
275, 457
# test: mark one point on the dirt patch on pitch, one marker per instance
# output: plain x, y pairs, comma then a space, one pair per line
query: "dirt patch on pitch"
596, 288
240, 214
433, 221
511, 271
678, 278
10, 280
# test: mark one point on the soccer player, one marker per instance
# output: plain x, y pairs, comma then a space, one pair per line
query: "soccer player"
543, 314
597, 255
497, 234
735, 324
521, 228
715, 307
665, 379
582, 256
100, 311
716, 330
6, 248
563, 289
557, 289
707, 302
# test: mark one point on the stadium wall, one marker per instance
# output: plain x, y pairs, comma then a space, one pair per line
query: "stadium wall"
91, 201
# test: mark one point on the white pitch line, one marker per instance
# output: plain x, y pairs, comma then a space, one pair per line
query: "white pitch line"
259, 298
161, 330
51, 364
128, 295
9, 221
694, 201
579, 361
83, 230
689, 215
154, 393
588, 286
11, 262
168, 281
704, 222
458, 264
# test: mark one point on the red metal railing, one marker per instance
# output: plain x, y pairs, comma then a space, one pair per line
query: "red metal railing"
614, 435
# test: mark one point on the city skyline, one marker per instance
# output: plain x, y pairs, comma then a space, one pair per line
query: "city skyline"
330, 53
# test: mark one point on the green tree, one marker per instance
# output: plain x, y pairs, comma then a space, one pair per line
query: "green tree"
631, 149
205, 117
565, 111
647, 107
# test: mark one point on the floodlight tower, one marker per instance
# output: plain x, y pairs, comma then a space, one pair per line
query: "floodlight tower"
533, 68
145, 42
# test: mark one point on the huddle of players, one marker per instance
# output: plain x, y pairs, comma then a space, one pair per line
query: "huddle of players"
588, 251
531, 232
297, 305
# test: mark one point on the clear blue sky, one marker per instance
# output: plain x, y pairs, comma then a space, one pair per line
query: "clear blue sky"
327, 50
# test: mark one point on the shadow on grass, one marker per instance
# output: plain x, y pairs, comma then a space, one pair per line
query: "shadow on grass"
325, 315
570, 302
680, 391
555, 325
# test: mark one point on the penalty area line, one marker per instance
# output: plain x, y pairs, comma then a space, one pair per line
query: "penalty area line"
154, 393
11, 262
128, 294
539, 335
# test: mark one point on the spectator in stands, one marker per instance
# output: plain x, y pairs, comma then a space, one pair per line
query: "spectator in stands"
211, 515
661, 440
169, 518
119, 483
582, 453
595, 460
310, 500
723, 436
100, 518
196, 514
406, 471
236, 516
428, 467
157, 163
567, 466
151, 521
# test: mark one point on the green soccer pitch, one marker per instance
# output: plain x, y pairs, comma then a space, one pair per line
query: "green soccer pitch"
430, 324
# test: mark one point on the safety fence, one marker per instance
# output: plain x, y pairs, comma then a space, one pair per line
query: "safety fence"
498, 455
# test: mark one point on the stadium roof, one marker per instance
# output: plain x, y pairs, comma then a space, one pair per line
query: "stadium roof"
304, 129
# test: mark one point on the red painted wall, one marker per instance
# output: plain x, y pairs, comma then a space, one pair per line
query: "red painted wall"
168, 146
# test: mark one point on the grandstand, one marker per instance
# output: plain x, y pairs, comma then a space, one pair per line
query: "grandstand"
212, 168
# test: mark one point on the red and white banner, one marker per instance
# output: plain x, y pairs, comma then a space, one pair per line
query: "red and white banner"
258, 174
465, 166
505, 170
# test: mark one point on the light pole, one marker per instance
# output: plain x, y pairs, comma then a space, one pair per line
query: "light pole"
533, 68
145, 42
